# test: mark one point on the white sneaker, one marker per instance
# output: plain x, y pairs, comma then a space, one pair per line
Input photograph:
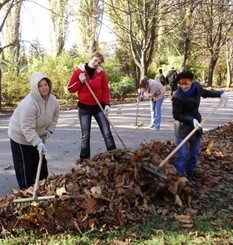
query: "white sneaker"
154, 128
151, 126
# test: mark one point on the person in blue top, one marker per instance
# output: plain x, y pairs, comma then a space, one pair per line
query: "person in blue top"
185, 111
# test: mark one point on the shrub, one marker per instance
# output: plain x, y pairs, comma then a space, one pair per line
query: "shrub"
121, 89
14, 87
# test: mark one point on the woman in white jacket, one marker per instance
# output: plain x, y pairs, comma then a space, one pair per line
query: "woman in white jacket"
156, 91
33, 120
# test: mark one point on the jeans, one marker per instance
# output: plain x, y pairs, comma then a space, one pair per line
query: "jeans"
187, 155
85, 117
155, 110
26, 159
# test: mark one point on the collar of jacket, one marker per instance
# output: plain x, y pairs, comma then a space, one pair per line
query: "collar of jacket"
82, 68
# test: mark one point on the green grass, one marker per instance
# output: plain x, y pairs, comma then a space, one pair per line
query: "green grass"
208, 229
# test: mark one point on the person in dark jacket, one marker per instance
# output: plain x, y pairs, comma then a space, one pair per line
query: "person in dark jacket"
185, 110
160, 77
171, 80
93, 74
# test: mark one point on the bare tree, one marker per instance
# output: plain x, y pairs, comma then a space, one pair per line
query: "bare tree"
229, 59
89, 16
59, 17
6, 7
11, 35
138, 21
216, 20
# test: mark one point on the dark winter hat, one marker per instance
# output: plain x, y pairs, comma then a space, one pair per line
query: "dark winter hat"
184, 74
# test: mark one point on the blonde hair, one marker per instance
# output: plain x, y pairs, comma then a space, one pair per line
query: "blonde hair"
144, 83
99, 55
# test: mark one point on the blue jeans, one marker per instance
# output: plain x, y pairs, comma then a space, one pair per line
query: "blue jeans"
155, 110
85, 117
187, 155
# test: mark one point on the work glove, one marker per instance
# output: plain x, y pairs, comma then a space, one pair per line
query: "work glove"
106, 109
224, 98
41, 148
196, 123
82, 78
46, 134
141, 97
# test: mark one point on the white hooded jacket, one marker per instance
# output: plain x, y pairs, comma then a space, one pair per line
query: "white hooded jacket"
34, 115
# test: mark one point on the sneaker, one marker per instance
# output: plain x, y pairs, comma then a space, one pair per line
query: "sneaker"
154, 128
151, 126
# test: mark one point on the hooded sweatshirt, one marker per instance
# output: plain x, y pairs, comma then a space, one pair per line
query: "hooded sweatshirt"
34, 115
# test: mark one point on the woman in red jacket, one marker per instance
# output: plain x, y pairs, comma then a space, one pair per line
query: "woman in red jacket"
93, 74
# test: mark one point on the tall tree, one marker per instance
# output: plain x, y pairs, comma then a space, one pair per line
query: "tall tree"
138, 21
6, 8
89, 16
229, 60
217, 22
59, 16
12, 35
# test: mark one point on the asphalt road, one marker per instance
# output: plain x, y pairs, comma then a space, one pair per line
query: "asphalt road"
63, 146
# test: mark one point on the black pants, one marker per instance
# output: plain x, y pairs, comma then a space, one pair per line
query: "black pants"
85, 117
26, 159
173, 88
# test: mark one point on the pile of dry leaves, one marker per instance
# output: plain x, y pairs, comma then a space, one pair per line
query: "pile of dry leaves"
113, 189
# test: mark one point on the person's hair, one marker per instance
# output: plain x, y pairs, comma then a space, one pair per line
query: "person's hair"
184, 74
99, 55
144, 83
160, 71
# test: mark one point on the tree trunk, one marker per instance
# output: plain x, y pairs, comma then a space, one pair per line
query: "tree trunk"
229, 54
229, 74
0, 89
212, 64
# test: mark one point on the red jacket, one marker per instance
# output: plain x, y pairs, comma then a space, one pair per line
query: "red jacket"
98, 84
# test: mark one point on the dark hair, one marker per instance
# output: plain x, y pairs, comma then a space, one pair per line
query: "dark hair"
144, 83
184, 74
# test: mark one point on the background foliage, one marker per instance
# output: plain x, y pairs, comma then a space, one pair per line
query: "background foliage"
151, 34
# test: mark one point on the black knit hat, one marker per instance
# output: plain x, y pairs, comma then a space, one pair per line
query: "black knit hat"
184, 74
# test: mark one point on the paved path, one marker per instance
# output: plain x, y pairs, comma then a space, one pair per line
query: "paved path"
63, 145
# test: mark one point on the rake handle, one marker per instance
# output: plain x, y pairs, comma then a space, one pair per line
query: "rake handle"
37, 176
100, 106
187, 137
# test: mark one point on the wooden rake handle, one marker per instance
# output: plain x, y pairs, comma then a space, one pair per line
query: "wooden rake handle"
100, 106
187, 137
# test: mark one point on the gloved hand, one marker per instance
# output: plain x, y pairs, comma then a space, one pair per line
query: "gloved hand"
224, 98
82, 78
106, 109
141, 97
46, 134
41, 148
196, 123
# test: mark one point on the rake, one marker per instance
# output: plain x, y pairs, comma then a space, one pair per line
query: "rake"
35, 196
154, 171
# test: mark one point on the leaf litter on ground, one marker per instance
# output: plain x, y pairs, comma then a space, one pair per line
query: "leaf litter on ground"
113, 189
